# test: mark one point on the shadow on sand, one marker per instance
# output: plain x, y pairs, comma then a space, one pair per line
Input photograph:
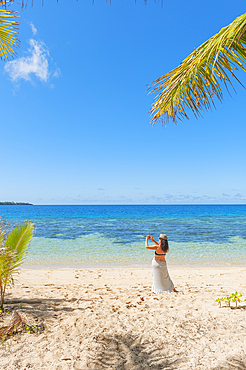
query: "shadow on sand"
233, 363
37, 311
125, 352
42, 308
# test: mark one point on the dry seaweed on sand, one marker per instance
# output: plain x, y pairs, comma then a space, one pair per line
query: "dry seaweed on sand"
18, 323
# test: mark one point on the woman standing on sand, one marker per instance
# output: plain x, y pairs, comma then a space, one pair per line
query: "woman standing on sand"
161, 279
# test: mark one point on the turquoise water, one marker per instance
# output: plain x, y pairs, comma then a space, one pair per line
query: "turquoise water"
114, 236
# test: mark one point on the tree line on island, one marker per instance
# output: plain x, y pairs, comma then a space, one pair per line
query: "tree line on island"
15, 204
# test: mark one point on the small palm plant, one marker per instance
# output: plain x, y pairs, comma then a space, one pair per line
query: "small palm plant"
235, 297
219, 300
12, 251
227, 300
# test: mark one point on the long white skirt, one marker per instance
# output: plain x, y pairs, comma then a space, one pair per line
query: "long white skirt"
161, 279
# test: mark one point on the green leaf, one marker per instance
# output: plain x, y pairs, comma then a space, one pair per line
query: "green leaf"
12, 256
19, 238
8, 33
199, 78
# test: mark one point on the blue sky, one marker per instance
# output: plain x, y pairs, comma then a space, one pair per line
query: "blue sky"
75, 127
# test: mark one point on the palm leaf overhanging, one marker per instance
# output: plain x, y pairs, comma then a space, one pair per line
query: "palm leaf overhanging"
198, 79
8, 32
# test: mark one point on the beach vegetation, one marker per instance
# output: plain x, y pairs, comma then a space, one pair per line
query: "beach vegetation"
9, 29
227, 300
13, 248
198, 79
234, 297
219, 301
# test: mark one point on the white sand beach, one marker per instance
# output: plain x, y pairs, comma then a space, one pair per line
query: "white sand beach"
110, 319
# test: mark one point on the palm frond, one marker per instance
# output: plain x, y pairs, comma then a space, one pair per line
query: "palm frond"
9, 264
2, 234
199, 78
12, 255
8, 32
19, 238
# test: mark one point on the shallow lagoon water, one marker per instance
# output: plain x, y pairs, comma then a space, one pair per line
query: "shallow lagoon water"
114, 236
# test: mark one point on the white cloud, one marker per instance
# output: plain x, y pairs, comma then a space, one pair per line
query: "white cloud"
57, 73
238, 195
34, 29
36, 63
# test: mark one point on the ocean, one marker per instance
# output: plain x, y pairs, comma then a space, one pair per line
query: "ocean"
87, 236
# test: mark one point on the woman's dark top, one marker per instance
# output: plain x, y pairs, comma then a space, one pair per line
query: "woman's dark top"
157, 254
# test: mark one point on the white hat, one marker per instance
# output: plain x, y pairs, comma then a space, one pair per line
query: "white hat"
163, 236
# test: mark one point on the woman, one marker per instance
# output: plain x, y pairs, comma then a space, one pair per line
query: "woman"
161, 279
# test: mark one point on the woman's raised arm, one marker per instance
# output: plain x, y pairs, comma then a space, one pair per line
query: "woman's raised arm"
146, 243
151, 238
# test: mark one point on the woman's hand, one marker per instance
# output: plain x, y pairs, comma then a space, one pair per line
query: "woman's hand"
153, 247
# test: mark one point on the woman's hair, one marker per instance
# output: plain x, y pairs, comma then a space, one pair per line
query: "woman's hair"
164, 245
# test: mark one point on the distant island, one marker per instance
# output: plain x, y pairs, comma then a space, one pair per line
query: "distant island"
15, 204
